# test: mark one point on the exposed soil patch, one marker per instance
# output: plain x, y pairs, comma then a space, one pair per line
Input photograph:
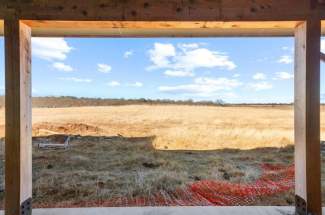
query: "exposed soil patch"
64, 128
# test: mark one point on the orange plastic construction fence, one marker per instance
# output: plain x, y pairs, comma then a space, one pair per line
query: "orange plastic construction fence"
275, 179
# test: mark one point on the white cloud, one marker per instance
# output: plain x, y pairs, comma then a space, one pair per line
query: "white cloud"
62, 67
323, 45
203, 58
177, 73
128, 54
104, 68
260, 86
283, 76
202, 86
135, 84
160, 55
74, 79
114, 84
237, 75
50, 48
186, 46
259, 76
187, 59
287, 48
286, 59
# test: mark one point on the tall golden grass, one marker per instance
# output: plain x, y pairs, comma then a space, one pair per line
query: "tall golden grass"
184, 127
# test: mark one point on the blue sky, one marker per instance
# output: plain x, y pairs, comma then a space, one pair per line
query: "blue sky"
233, 69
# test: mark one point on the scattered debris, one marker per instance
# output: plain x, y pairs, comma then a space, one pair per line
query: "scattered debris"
150, 165
55, 142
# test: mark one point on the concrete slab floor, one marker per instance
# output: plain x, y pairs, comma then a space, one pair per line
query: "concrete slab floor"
251, 210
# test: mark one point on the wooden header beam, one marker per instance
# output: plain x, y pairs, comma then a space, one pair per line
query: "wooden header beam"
163, 10
162, 18
159, 29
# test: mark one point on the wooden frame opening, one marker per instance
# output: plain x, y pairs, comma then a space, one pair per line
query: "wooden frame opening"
154, 18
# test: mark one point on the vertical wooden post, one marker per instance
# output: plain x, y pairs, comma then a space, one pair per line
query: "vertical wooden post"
18, 151
307, 118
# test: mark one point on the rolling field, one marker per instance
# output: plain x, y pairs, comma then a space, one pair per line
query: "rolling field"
139, 150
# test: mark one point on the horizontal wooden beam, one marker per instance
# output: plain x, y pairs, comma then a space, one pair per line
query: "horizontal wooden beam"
163, 10
162, 18
160, 29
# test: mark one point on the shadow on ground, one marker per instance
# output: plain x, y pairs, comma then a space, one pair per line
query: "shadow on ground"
98, 168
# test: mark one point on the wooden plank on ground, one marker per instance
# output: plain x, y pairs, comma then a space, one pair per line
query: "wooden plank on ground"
307, 117
18, 153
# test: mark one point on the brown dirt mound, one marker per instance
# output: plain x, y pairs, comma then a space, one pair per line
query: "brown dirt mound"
64, 128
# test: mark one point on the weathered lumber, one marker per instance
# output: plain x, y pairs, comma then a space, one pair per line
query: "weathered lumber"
163, 10
64, 145
160, 29
18, 131
307, 118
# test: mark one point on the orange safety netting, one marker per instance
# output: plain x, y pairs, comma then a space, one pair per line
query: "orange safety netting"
274, 180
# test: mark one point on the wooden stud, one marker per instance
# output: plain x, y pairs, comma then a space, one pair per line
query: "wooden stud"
307, 118
18, 129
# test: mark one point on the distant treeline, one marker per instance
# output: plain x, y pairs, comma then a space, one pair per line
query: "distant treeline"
70, 101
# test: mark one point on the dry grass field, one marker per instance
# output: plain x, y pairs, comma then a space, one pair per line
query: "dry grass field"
180, 127
137, 150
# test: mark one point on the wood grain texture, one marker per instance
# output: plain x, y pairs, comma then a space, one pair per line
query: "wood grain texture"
307, 114
163, 10
160, 29
18, 171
